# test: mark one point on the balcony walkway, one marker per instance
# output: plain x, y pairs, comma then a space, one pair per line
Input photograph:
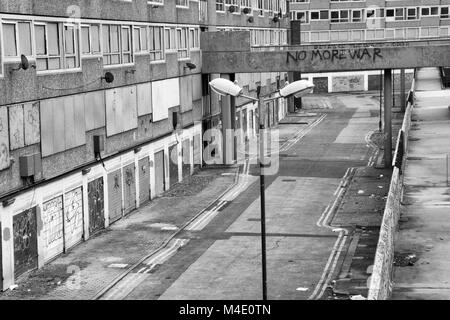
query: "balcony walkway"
422, 252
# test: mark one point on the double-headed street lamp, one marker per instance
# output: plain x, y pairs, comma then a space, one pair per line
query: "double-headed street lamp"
297, 89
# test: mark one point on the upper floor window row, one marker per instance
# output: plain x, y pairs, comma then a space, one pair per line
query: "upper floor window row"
259, 6
58, 45
362, 15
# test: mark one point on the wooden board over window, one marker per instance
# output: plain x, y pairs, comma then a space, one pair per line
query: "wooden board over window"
144, 98
186, 93
94, 109
63, 124
121, 110
4, 139
165, 94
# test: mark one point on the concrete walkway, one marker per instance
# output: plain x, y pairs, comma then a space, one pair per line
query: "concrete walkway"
91, 266
422, 258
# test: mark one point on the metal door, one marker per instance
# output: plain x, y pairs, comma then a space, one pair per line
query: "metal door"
115, 195
53, 228
173, 164
186, 156
197, 151
129, 188
159, 172
25, 241
144, 180
73, 217
96, 205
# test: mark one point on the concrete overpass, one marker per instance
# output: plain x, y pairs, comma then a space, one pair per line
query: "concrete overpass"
227, 53
231, 52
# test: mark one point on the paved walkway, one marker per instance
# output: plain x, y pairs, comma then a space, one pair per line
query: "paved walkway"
146, 238
104, 257
422, 259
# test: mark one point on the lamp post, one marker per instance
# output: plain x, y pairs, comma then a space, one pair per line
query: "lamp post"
297, 89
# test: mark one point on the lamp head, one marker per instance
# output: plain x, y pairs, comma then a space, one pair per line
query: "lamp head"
297, 89
225, 87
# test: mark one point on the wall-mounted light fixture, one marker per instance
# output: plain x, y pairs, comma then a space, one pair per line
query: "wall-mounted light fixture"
109, 77
8, 202
85, 171
137, 149
24, 64
190, 66
250, 19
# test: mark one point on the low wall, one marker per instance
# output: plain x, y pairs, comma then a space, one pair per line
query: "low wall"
381, 279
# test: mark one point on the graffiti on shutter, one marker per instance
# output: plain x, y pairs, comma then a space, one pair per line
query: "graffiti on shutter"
96, 205
25, 241
144, 180
129, 188
173, 164
73, 217
52, 218
115, 195
159, 172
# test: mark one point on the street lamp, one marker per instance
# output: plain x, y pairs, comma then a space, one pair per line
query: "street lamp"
297, 89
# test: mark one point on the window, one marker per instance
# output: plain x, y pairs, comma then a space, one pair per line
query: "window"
303, 16
126, 45
140, 39
445, 13
17, 39
56, 46
357, 15
116, 44
194, 41
111, 50
338, 16
182, 3
169, 39
70, 46
411, 14
220, 6
182, 39
156, 44
319, 15
395, 14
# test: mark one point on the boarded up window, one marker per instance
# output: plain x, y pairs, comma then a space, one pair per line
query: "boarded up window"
23, 125
16, 127
94, 110
63, 124
165, 94
4, 140
185, 93
121, 110
144, 98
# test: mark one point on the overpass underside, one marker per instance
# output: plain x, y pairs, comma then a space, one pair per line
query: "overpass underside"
231, 52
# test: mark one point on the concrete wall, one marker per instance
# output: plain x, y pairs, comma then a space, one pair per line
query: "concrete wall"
382, 275
62, 187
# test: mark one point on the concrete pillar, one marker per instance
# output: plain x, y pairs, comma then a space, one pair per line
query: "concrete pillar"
227, 136
402, 90
295, 39
233, 119
387, 118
